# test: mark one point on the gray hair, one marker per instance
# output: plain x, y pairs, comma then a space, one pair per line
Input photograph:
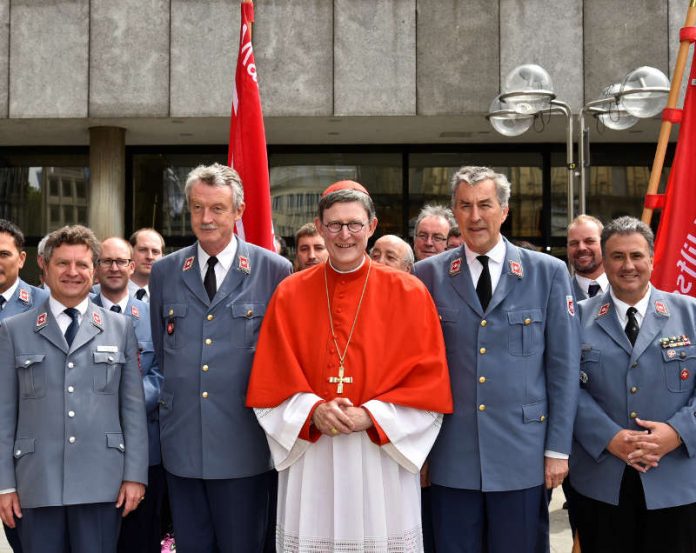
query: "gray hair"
628, 225
346, 196
434, 210
75, 235
584, 218
472, 175
216, 175
41, 248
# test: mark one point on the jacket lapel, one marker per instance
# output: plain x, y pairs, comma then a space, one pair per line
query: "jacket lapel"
191, 273
513, 272
653, 322
242, 265
460, 279
91, 325
47, 326
607, 319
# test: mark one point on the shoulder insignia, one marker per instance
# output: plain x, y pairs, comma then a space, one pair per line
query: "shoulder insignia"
455, 267
570, 304
188, 263
96, 319
661, 308
603, 310
244, 264
135, 311
516, 269
41, 320
24, 295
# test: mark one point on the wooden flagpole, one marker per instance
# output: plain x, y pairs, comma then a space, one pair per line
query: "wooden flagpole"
666, 127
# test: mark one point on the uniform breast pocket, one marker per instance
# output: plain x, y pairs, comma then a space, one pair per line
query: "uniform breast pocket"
107, 371
172, 318
31, 373
526, 335
448, 321
589, 366
679, 366
246, 323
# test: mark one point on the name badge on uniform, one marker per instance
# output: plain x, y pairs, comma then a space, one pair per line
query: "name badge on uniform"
24, 296
107, 349
455, 267
188, 263
244, 264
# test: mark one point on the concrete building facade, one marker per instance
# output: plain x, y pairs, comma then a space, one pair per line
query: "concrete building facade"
393, 92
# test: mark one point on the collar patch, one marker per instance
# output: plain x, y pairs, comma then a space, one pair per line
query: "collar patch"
244, 264
570, 304
135, 311
455, 267
24, 295
188, 263
516, 269
41, 320
96, 319
661, 308
603, 310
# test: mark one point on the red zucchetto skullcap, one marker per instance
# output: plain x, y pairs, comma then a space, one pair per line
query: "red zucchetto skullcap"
345, 185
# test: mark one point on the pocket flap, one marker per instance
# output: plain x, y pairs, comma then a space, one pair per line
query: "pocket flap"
534, 412
23, 446
109, 357
679, 354
115, 440
174, 310
248, 310
28, 360
525, 317
589, 356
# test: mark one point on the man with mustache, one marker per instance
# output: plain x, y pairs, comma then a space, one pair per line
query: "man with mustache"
585, 255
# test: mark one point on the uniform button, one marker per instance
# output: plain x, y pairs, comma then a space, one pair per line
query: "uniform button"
633, 414
171, 312
682, 355
210, 316
482, 351
482, 379
542, 418
339, 310
204, 395
634, 389
205, 368
110, 358
332, 350
634, 364
18, 452
482, 407
484, 322
208, 341
71, 365
439, 317
121, 446
27, 362
71, 389
250, 313
72, 439
527, 321
71, 414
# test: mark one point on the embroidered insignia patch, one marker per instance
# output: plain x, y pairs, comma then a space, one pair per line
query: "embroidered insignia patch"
684, 375
603, 310
661, 308
570, 304
516, 269
455, 267
135, 311
41, 319
244, 264
188, 263
24, 295
671, 354
170, 327
96, 318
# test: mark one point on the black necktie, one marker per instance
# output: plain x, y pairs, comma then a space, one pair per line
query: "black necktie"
116, 308
2, 302
140, 294
71, 331
484, 289
632, 327
593, 289
209, 281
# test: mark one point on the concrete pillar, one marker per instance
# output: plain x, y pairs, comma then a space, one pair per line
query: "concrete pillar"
107, 165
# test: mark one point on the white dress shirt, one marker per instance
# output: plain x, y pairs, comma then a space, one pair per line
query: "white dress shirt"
224, 261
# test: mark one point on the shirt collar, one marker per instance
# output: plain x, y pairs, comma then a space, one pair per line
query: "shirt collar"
496, 253
57, 308
107, 303
7, 294
622, 307
585, 282
225, 257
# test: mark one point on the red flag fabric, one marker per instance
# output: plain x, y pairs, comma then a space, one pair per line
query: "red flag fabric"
247, 146
675, 245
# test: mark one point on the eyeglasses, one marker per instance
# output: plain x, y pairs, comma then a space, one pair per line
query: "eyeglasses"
335, 227
107, 263
437, 238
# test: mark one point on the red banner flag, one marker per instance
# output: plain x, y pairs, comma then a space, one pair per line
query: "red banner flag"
675, 245
247, 147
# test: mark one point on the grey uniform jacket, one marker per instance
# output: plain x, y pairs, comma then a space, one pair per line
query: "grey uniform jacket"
72, 420
205, 350
25, 297
653, 380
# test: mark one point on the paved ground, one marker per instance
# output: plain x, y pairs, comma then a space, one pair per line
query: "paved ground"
561, 541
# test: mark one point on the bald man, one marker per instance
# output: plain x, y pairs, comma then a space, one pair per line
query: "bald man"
393, 251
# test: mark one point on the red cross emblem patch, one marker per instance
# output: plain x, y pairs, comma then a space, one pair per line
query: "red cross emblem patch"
455, 267
603, 310
135, 311
41, 319
24, 295
661, 308
188, 263
244, 265
516, 269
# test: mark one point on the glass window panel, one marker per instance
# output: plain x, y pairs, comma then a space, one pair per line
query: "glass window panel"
53, 187
67, 188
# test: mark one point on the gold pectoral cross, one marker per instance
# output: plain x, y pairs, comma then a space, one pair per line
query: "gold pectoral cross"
340, 379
